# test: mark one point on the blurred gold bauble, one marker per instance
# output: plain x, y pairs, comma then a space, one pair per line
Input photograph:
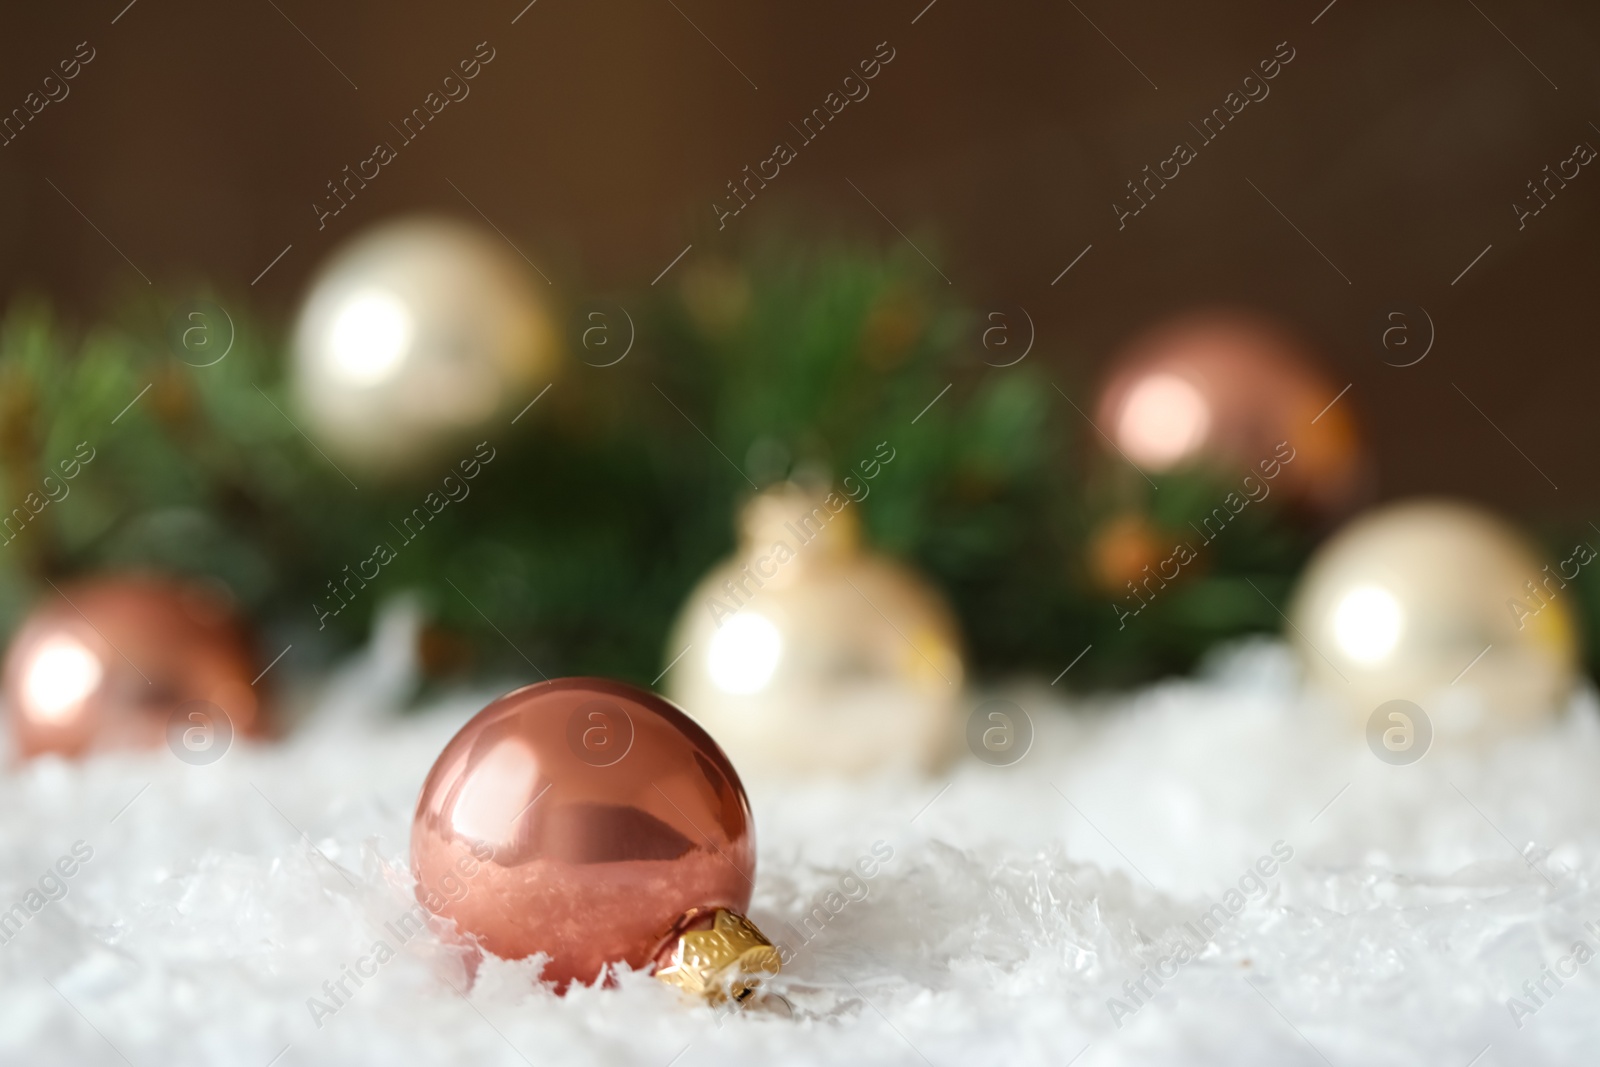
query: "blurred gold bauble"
413, 337
808, 655
717, 294
107, 663
1122, 550
1402, 602
1221, 390
894, 325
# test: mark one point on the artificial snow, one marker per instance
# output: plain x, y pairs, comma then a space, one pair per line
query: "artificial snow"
1077, 907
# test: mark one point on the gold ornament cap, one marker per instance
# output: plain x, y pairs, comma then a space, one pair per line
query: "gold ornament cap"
820, 519
716, 954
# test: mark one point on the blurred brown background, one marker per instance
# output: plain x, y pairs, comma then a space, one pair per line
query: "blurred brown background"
998, 138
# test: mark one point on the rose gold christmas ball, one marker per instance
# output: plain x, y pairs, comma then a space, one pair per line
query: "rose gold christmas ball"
1238, 394
105, 664
585, 819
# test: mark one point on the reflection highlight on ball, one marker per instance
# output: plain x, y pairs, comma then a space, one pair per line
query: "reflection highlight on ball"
1165, 420
745, 653
369, 337
61, 675
1367, 623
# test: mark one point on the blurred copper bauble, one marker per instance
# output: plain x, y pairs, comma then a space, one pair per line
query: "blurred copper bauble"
108, 663
413, 337
807, 655
1402, 603
1221, 390
1123, 549
594, 822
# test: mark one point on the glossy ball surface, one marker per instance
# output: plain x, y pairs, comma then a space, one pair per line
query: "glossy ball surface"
582, 818
1221, 390
808, 655
413, 336
1441, 603
104, 664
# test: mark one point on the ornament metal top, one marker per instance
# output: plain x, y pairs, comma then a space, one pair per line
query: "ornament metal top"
413, 336
1443, 604
805, 654
596, 823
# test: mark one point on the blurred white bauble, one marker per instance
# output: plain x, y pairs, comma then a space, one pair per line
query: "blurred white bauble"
816, 657
414, 336
1445, 605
